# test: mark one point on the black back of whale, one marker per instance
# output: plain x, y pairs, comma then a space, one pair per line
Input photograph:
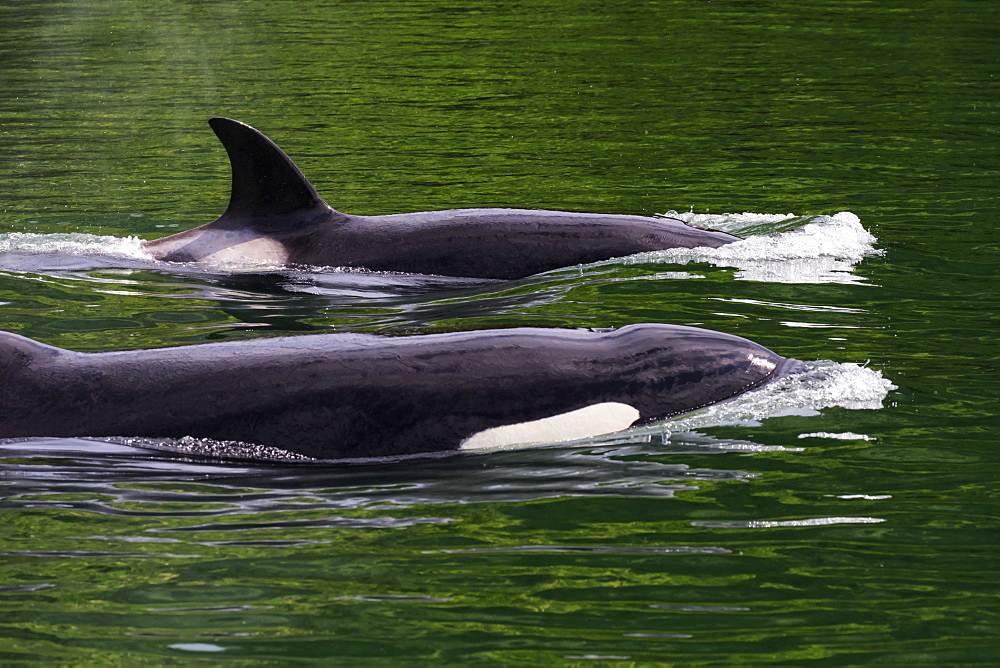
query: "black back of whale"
276, 215
345, 395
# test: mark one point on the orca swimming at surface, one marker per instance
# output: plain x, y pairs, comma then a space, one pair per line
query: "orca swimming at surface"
339, 396
275, 215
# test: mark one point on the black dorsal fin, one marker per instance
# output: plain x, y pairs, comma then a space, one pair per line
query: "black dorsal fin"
266, 183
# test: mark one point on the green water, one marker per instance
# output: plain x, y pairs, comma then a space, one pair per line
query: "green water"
839, 536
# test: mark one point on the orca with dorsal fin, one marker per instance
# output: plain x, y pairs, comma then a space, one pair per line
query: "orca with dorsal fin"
276, 216
334, 396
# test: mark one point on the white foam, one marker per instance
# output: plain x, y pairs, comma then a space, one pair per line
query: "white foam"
73, 244
825, 249
840, 436
774, 524
824, 384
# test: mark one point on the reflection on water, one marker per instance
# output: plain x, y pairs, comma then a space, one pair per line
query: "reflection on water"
105, 471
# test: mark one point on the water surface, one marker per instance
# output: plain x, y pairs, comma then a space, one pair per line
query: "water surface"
850, 520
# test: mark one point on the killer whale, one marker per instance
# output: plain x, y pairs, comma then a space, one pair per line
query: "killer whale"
275, 215
333, 396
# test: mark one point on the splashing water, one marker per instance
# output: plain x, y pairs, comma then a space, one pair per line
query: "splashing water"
778, 248
824, 384
73, 244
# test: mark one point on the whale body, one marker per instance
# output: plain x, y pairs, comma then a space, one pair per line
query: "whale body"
333, 396
276, 216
